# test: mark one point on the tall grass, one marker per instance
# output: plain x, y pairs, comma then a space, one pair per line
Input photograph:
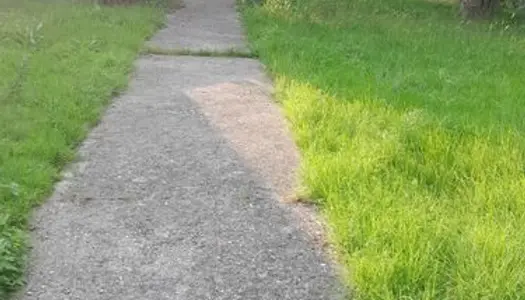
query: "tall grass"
411, 130
60, 63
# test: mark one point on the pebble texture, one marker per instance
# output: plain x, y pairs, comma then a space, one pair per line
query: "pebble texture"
210, 25
175, 194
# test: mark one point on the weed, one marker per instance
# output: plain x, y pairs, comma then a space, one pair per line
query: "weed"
204, 53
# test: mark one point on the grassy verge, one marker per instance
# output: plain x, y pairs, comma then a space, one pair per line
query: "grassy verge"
60, 63
411, 129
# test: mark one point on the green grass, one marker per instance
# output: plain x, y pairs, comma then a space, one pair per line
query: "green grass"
411, 125
202, 53
60, 63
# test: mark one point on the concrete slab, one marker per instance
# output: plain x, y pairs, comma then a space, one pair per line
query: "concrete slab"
202, 25
176, 192
165, 203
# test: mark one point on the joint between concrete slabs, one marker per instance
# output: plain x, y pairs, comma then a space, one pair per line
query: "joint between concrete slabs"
233, 53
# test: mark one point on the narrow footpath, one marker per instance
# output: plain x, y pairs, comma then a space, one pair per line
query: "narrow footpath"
176, 193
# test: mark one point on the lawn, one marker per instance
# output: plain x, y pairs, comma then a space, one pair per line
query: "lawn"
60, 64
411, 127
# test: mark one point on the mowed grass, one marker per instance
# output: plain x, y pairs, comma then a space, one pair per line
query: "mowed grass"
411, 126
60, 64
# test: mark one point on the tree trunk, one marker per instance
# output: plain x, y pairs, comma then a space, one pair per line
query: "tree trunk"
475, 9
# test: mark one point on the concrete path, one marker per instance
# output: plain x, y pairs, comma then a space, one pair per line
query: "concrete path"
202, 25
176, 192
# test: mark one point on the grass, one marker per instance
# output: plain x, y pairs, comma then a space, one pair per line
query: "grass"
411, 125
201, 53
60, 64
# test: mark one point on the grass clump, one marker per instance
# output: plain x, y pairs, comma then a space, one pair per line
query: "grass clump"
202, 53
411, 130
60, 63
